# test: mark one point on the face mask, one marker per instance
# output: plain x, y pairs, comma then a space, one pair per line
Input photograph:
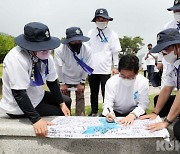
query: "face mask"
75, 47
101, 25
149, 48
171, 57
177, 16
43, 54
128, 82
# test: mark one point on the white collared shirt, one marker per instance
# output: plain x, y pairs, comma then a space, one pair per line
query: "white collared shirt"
125, 99
172, 74
17, 67
103, 52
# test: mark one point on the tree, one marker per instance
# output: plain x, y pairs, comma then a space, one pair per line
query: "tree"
130, 45
6, 44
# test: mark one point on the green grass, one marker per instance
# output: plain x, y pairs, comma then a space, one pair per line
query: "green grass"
1, 65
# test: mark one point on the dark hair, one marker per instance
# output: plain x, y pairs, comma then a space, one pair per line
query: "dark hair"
149, 44
129, 62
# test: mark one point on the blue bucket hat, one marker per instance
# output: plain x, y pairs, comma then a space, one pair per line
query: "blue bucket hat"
166, 38
102, 13
74, 34
176, 6
37, 37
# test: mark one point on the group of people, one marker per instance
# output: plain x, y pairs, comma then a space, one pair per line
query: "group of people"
96, 55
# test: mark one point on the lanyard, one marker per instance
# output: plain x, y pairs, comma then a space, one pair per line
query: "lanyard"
84, 66
36, 77
99, 34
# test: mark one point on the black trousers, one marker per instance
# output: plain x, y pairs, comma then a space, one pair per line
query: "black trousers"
165, 110
150, 70
176, 130
47, 107
95, 80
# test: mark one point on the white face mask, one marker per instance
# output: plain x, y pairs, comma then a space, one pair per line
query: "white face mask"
171, 57
128, 82
177, 16
101, 25
43, 54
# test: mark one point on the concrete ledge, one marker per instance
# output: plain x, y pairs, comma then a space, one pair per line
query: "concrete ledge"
17, 137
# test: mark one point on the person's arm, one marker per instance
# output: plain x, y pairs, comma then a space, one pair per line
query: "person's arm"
154, 56
55, 91
173, 113
162, 99
115, 62
175, 109
25, 105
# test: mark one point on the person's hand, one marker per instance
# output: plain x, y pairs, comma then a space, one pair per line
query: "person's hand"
110, 117
128, 120
150, 116
80, 88
65, 109
40, 127
157, 126
114, 71
64, 88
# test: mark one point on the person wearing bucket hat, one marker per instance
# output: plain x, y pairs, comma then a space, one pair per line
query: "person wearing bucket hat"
168, 42
25, 70
105, 47
71, 61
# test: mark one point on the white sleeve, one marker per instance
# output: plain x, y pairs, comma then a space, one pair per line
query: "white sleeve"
109, 98
17, 71
143, 101
52, 76
58, 65
169, 78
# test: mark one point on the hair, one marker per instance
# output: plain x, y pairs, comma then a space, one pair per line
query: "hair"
129, 62
149, 44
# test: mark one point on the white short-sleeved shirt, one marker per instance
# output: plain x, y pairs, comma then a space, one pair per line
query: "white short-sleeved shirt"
144, 65
102, 52
72, 72
125, 99
172, 74
150, 60
17, 67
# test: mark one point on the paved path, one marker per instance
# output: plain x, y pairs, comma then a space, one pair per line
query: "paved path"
152, 90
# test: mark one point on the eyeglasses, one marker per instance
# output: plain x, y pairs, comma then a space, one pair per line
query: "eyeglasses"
128, 77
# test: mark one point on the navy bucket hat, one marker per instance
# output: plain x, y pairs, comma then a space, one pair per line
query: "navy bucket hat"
74, 34
166, 38
176, 6
37, 37
102, 13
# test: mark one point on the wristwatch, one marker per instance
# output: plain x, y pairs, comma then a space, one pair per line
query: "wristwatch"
166, 120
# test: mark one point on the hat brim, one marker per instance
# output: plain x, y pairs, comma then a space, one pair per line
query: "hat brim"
176, 7
106, 17
159, 47
37, 46
75, 38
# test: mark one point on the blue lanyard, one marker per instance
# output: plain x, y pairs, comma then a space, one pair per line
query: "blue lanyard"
99, 34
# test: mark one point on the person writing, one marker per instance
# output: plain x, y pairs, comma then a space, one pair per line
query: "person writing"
126, 94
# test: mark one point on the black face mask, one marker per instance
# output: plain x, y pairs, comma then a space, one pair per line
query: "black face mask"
75, 47
149, 48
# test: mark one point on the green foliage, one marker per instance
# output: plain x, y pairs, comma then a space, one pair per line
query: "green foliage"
6, 44
130, 45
